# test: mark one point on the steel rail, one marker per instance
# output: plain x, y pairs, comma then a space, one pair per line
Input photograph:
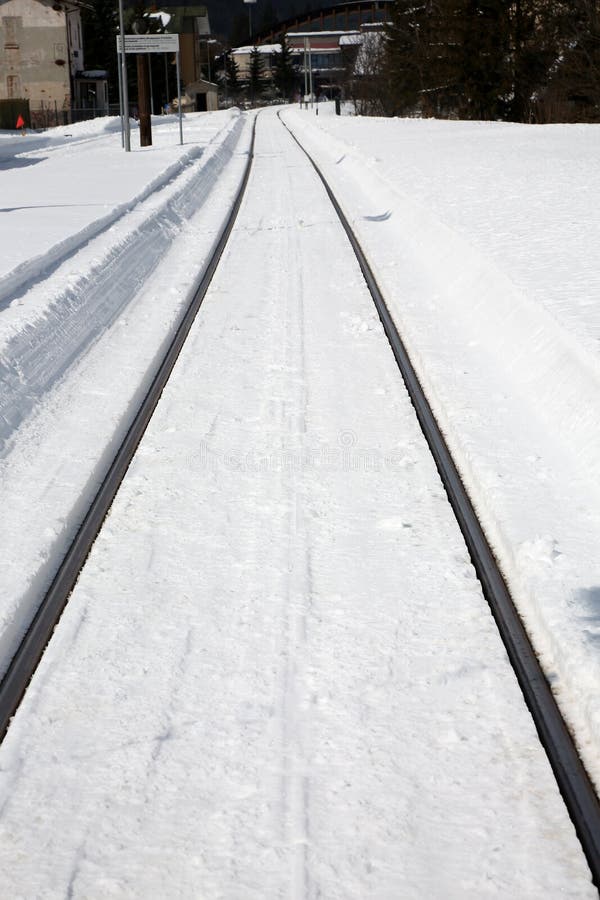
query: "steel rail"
29, 653
573, 781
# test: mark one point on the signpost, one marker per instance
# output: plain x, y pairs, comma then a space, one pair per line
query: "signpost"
308, 79
123, 97
149, 43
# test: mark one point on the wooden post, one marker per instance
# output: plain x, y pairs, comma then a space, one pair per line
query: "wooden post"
143, 81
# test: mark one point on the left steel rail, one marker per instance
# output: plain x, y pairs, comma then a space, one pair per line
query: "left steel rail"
30, 651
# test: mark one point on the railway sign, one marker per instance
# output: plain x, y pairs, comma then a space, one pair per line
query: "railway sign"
149, 43
143, 43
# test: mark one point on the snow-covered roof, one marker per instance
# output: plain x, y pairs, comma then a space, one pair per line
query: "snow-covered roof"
348, 39
265, 49
318, 34
164, 17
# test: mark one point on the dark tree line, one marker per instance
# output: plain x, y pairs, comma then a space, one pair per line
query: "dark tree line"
519, 60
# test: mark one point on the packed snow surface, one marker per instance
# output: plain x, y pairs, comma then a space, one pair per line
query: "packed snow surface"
277, 675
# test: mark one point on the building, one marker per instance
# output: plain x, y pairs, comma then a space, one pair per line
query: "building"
192, 25
242, 57
325, 45
199, 96
323, 58
42, 62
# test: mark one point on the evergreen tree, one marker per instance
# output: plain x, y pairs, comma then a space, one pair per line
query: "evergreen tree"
573, 91
283, 71
232, 77
474, 58
255, 76
534, 43
582, 63
403, 65
485, 79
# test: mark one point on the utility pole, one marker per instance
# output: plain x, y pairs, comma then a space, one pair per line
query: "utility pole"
305, 69
144, 99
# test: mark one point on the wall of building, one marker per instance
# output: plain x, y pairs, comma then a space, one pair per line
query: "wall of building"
37, 54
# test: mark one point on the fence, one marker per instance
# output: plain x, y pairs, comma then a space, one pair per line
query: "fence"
48, 115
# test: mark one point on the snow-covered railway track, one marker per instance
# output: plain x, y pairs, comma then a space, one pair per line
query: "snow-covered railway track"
29, 653
575, 785
291, 627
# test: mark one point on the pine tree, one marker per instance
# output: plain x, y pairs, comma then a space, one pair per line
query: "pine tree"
484, 62
403, 65
283, 71
573, 91
582, 62
232, 76
442, 39
255, 77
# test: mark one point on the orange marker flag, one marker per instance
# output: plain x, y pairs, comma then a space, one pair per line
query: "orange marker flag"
20, 122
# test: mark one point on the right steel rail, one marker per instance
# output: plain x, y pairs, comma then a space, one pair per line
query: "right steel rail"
573, 781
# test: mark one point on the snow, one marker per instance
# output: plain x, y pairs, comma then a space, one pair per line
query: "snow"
484, 236
277, 675
57, 433
263, 49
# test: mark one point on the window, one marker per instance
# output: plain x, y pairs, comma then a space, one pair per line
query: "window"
13, 86
324, 60
11, 26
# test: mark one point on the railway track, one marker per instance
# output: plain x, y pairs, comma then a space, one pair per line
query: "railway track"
573, 782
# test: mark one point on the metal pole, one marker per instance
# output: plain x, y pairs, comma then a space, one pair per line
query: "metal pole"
179, 99
310, 80
168, 102
121, 100
127, 134
305, 68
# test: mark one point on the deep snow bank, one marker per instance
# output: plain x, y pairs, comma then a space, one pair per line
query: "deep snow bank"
58, 318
